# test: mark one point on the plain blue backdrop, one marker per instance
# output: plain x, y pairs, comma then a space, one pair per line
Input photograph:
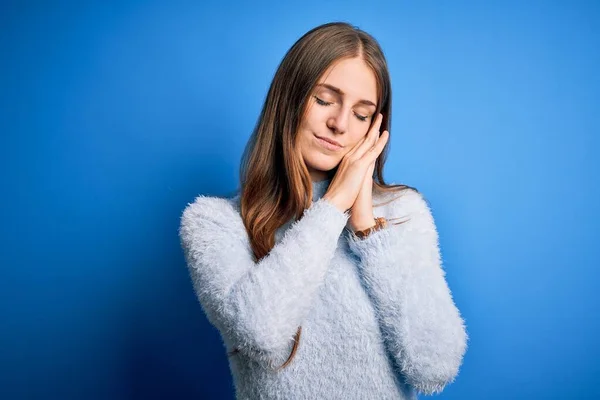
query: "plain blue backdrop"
113, 116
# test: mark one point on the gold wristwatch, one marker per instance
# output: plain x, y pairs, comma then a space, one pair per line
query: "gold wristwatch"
380, 223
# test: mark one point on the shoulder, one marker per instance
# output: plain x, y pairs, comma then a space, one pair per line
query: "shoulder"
404, 203
402, 199
208, 213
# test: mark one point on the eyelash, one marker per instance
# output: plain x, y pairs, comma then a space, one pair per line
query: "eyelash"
325, 103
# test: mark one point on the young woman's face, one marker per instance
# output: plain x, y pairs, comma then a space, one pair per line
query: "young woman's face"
340, 110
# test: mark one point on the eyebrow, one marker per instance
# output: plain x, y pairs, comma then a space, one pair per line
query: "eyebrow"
341, 93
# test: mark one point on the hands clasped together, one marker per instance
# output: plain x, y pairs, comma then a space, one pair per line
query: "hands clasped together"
351, 187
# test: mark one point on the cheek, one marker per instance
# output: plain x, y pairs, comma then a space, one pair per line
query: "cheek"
304, 141
362, 128
358, 136
315, 119
310, 125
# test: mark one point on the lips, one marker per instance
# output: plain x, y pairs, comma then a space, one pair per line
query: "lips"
330, 141
328, 144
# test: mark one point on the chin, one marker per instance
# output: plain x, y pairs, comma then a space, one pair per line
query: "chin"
321, 162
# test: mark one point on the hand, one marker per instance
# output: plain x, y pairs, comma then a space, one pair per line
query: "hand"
361, 215
350, 176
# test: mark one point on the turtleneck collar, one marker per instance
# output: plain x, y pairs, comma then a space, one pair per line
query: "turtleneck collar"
319, 188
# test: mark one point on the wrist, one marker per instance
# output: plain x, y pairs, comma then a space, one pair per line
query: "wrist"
378, 223
331, 199
362, 223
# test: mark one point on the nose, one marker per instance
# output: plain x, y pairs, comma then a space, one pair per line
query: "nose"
338, 120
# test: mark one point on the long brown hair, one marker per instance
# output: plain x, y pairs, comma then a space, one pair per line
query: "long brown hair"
275, 182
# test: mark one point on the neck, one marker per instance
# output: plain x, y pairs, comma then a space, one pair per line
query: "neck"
319, 188
318, 176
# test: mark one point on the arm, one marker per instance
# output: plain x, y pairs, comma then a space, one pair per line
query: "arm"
257, 306
402, 271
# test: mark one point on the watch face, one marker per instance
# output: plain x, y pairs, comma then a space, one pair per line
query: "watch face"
362, 234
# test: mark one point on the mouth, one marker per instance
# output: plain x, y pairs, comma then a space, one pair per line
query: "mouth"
329, 144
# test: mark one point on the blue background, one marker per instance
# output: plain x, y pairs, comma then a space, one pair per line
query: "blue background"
114, 116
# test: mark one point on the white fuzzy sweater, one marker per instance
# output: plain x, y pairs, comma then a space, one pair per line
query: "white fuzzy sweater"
378, 319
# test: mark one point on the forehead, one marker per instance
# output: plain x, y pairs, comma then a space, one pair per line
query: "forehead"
354, 77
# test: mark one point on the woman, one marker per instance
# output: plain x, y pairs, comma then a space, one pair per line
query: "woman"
316, 293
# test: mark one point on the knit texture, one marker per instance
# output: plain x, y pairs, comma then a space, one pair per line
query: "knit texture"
378, 319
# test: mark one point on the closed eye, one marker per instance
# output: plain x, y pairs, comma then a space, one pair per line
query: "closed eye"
326, 103
361, 117
322, 102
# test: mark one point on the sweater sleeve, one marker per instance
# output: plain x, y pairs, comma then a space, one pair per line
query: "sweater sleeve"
402, 271
257, 306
